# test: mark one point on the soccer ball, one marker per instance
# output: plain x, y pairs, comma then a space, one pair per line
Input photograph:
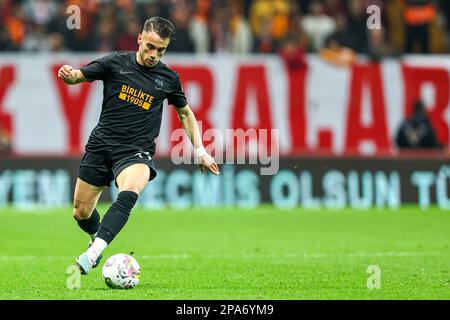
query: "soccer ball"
121, 271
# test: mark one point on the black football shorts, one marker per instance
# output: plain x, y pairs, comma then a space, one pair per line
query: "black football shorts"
100, 168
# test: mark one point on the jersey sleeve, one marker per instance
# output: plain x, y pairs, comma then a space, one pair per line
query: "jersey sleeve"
177, 98
98, 69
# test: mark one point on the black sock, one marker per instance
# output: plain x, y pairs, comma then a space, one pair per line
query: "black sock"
117, 215
91, 224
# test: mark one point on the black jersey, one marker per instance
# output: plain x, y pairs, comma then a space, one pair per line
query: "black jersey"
132, 105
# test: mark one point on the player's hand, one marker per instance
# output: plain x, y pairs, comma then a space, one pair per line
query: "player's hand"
207, 162
67, 74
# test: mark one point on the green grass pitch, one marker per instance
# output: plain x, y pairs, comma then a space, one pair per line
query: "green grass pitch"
236, 254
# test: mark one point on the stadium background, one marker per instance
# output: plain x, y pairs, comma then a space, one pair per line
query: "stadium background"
251, 65
336, 92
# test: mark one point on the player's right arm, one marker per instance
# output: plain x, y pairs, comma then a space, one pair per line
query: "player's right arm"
70, 75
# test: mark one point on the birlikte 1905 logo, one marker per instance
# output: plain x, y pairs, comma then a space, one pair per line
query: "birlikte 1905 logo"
374, 19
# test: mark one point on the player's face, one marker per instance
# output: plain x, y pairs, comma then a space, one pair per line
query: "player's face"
151, 48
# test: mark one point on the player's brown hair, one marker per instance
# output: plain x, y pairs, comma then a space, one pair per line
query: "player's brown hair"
163, 27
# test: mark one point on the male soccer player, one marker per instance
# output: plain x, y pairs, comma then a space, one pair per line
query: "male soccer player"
121, 146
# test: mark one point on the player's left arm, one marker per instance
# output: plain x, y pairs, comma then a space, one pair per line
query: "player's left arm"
190, 126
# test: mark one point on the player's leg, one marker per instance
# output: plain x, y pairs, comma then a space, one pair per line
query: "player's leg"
84, 202
94, 175
131, 182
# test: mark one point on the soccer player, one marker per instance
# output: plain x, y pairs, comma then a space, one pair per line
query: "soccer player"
122, 144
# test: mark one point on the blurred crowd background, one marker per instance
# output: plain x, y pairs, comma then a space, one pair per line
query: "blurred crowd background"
236, 26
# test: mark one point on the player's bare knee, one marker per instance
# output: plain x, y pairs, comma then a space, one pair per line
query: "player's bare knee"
81, 211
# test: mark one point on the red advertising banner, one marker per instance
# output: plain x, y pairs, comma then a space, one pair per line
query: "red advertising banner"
317, 108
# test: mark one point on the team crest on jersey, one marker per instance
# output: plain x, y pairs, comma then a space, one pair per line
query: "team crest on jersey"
159, 83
